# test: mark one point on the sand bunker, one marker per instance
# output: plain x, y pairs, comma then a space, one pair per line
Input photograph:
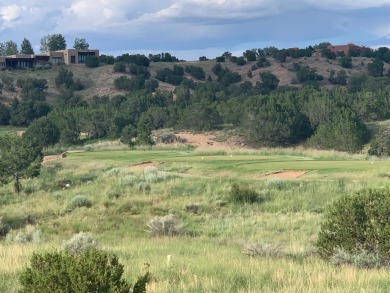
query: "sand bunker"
285, 175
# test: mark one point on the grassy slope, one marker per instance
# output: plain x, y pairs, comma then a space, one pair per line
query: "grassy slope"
208, 257
100, 81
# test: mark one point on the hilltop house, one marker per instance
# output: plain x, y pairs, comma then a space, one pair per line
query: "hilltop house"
348, 50
68, 57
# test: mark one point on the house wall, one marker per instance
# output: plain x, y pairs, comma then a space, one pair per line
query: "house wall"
2, 63
68, 57
71, 56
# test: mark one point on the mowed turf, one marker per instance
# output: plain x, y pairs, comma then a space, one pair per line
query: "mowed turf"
240, 165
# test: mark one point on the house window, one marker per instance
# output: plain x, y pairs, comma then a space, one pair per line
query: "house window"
83, 56
56, 60
73, 59
23, 64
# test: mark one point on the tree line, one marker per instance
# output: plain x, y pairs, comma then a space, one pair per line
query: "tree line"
53, 42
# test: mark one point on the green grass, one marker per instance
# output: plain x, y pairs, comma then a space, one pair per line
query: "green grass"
208, 257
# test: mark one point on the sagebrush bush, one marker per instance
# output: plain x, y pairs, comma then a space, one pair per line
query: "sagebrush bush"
245, 195
168, 225
79, 201
129, 180
356, 223
151, 174
30, 235
79, 243
91, 271
361, 259
263, 250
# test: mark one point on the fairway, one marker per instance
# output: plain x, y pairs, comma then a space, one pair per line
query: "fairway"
241, 165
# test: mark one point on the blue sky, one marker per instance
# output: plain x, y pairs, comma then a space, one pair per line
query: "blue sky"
192, 28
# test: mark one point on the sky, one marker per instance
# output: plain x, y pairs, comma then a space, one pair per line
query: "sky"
189, 29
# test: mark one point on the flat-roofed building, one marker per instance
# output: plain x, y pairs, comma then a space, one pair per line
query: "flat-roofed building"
68, 57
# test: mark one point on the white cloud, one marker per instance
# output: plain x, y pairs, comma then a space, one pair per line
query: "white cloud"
184, 24
11, 12
347, 4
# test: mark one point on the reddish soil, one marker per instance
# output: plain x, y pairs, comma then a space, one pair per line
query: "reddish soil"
200, 139
285, 175
50, 158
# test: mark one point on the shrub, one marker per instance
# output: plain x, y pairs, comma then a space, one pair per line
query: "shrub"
91, 271
244, 195
4, 228
169, 138
168, 225
92, 61
192, 208
120, 67
380, 144
79, 243
275, 184
195, 71
79, 201
357, 222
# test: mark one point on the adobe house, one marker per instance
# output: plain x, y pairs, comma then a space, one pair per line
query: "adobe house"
68, 57
347, 49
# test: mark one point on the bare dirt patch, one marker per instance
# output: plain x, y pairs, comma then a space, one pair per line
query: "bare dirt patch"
285, 175
200, 139
143, 165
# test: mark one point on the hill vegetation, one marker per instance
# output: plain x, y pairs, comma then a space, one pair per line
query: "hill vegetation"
273, 97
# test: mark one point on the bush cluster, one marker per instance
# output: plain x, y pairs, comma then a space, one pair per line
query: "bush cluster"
30, 235
168, 225
245, 195
357, 223
79, 201
79, 243
91, 271
4, 228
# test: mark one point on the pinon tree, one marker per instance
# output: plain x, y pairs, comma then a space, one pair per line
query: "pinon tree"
20, 158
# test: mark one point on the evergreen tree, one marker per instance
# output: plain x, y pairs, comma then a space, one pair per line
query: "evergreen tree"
19, 159
26, 47
80, 44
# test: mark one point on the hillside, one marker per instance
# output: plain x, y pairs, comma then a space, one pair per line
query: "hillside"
100, 81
